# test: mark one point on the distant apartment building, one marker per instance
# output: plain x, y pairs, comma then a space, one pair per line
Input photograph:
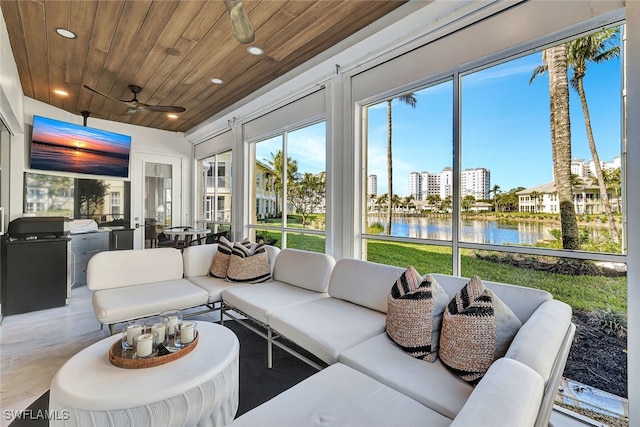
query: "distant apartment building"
586, 195
372, 185
588, 169
267, 203
475, 182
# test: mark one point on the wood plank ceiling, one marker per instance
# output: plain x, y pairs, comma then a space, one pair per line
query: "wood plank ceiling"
171, 49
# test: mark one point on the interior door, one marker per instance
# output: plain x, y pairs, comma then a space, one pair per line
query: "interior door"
160, 184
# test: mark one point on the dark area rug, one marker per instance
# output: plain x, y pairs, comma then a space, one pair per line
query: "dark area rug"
257, 383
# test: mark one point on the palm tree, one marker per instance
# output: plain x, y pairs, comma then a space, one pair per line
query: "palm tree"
411, 100
598, 47
495, 190
535, 195
612, 179
277, 164
555, 63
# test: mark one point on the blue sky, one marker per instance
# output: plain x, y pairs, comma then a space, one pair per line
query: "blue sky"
505, 127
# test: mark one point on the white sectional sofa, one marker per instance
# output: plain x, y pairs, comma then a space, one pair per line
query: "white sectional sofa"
131, 284
336, 311
346, 328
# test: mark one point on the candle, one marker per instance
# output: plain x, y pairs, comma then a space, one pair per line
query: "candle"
173, 321
132, 331
187, 332
160, 329
144, 345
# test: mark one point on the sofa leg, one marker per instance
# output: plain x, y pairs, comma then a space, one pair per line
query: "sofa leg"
112, 328
269, 349
222, 311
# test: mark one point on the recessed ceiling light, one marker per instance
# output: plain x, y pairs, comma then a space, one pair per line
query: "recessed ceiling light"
66, 33
217, 81
172, 116
255, 50
61, 92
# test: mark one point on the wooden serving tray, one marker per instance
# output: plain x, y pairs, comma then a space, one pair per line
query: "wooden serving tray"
122, 358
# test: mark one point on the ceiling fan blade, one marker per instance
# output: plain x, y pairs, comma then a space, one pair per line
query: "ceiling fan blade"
240, 22
135, 105
104, 94
161, 108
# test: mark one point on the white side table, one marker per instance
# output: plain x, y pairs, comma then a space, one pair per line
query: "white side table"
199, 389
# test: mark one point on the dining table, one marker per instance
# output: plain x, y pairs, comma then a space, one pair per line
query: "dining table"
185, 235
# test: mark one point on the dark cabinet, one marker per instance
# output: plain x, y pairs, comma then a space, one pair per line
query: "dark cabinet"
121, 239
34, 274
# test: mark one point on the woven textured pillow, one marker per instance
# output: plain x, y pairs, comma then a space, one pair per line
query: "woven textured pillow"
415, 307
477, 328
221, 259
249, 266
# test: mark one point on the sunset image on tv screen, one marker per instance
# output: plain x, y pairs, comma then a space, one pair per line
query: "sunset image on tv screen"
67, 147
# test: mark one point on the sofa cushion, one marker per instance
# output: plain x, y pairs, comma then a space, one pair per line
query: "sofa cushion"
509, 395
261, 299
304, 269
362, 282
213, 285
197, 259
327, 326
146, 300
414, 314
521, 300
340, 396
222, 257
477, 328
431, 384
116, 269
249, 266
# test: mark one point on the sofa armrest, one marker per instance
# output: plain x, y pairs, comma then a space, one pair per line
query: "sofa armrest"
508, 395
541, 337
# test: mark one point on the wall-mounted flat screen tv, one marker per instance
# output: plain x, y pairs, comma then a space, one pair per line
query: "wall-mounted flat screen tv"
67, 147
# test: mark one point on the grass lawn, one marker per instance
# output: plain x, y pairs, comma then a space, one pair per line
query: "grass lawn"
587, 293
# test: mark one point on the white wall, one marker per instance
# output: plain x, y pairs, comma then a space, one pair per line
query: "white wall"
10, 89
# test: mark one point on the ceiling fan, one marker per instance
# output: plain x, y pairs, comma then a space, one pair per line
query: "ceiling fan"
135, 105
240, 23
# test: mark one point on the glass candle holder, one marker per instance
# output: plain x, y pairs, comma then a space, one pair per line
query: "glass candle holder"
145, 345
185, 334
174, 316
130, 330
159, 324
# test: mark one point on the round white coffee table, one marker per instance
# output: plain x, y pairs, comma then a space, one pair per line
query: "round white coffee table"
199, 389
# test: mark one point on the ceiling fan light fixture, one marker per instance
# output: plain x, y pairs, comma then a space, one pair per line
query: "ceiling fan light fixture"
66, 33
217, 81
240, 22
255, 50
172, 116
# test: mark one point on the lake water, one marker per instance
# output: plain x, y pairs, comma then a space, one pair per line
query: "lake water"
473, 231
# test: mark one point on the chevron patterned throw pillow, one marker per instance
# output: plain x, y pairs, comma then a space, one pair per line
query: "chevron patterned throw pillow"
414, 313
221, 259
477, 328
